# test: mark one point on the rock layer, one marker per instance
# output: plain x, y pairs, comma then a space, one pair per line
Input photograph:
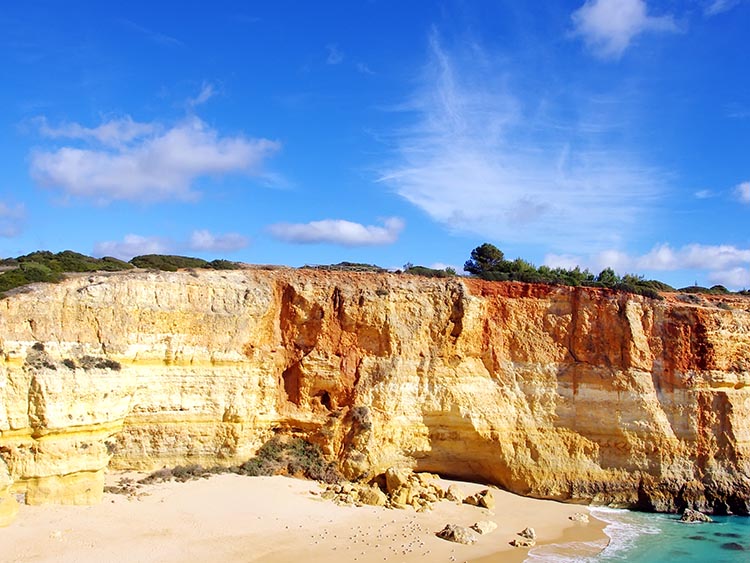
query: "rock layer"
574, 394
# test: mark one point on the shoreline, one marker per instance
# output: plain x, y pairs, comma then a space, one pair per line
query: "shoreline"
274, 519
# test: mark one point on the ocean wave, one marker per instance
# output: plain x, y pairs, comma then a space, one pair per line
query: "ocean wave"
623, 529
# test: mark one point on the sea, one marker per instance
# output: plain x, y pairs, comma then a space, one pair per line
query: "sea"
638, 537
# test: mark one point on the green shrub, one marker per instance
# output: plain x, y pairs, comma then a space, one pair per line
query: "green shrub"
224, 265
292, 456
349, 267
429, 272
167, 262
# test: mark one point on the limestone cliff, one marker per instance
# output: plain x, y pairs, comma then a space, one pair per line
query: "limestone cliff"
568, 393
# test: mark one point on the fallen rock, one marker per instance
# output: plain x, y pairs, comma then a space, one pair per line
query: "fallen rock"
528, 533
458, 534
691, 516
454, 494
396, 477
580, 517
484, 527
522, 542
372, 496
484, 499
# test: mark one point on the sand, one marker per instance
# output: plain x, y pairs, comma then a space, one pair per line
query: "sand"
230, 518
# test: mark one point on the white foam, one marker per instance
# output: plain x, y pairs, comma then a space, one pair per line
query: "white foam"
623, 529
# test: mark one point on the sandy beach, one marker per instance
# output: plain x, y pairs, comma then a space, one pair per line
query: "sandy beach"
233, 518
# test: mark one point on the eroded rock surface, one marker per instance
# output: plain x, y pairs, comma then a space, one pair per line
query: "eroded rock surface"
554, 392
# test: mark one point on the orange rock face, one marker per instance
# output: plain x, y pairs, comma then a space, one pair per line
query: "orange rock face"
569, 393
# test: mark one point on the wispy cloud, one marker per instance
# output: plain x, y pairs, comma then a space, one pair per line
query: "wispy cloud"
338, 231
737, 111
11, 219
133, 245
480, 159
743, 192
335, 55
715, 7
144, 162
113, 133
609, 26
704, 194
207, 92
155, 36
362, 68
205, 240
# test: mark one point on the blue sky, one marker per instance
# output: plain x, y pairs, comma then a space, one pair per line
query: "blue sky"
600, 133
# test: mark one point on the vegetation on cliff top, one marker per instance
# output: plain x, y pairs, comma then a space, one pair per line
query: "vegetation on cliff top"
46, 266
489, 263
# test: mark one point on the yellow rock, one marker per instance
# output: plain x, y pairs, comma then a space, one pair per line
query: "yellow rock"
568, 393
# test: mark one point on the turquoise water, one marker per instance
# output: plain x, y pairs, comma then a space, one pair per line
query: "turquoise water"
651, 538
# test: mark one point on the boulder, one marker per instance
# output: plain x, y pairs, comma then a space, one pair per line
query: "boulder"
458, 534
522, 542
691, 516
396, 477
484, 499
454, 494
484, 527
372, 496
528, 533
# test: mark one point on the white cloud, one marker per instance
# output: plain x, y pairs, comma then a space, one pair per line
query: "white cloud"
704, 194
144, 162
11, 218
335, 56
721, 262
113, 133
155, 36
478, 159
733, 278
207, 92
207, 241
743, 192
338, 231
364, 69
719, 6
609, 26
133, 245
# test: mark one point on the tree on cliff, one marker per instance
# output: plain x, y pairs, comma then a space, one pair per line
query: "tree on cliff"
485, 258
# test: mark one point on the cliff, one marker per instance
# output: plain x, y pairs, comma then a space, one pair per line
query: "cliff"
575, 394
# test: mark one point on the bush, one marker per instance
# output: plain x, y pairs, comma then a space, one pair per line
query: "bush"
290, 456
90, 362
349, 267
429, 272
224, 265
167, 262
45, 266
